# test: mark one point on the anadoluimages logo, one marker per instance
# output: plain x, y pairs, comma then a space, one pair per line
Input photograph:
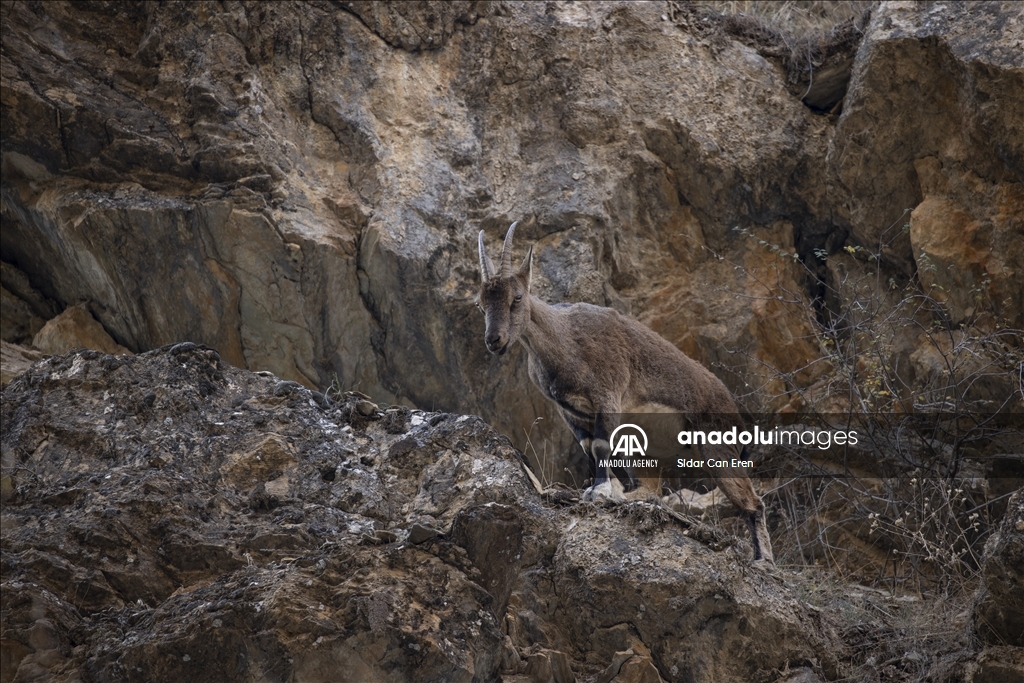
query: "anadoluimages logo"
629, 442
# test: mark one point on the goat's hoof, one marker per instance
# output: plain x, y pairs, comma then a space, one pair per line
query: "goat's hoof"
610, 490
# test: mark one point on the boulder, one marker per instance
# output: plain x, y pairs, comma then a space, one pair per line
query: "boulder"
925, 85
966, 240
74, 329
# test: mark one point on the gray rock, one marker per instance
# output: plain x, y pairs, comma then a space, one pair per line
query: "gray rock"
234, 556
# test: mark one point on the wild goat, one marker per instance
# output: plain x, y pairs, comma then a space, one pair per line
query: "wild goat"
596, 364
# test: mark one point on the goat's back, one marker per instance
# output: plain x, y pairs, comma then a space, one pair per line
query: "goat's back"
646, 367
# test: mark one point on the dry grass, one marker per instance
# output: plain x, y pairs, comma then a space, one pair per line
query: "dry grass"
796, 17
893, 638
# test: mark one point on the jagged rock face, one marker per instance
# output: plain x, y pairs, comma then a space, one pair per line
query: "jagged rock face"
999, 605
943, 82
168, 517
299, 186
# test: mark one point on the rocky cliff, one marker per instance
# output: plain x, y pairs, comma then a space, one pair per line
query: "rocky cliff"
300, 186
276, 206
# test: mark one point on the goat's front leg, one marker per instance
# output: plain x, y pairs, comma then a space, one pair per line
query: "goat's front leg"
622, 480
582, 428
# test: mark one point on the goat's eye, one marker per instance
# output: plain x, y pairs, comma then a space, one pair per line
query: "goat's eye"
519, 297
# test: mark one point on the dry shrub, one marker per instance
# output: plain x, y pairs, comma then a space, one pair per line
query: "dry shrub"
889, 535
798, 18
893, 638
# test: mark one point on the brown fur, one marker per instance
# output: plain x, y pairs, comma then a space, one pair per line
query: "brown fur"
596, 363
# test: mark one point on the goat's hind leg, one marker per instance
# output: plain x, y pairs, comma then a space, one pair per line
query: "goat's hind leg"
740, 491
736, 485
759, 533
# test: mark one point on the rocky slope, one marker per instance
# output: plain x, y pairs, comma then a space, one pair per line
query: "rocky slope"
831, 222
168, 517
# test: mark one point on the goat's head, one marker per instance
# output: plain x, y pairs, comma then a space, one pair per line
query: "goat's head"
504, 296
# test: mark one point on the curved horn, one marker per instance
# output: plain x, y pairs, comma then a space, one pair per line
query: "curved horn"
506, 251
486, 265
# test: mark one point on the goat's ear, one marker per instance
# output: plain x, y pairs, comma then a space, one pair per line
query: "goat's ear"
486, 265
526, 270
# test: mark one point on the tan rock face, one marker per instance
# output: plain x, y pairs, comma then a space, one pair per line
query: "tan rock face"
925, 84
748, 322
968, 242
75, 329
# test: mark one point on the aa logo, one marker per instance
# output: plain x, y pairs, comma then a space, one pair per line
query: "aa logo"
631, 442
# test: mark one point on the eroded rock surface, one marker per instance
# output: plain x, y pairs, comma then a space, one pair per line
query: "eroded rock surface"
299, 186
170, 517
941, 81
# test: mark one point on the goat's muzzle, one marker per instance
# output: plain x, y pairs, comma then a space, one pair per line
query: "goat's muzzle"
497, 344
